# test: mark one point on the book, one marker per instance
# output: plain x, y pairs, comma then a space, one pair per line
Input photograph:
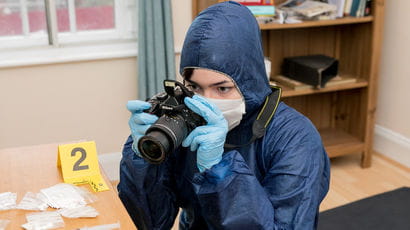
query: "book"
297, 85
309, 9
354, 11
259, 7
340, 80
340, 4
348, 6
256, 2
262, 10
361, 9
368, 8
293, 84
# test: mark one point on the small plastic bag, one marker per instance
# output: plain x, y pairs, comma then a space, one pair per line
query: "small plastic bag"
8, 200
3, 224
103, 227
31, 201
79, 212
43, 221
66, 196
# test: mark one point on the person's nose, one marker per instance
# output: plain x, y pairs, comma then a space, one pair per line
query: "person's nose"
207, 93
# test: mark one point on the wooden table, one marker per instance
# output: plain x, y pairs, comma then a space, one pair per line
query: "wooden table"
29, 169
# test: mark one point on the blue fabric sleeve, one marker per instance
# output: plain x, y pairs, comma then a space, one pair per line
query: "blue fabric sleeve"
146, 191
286, 197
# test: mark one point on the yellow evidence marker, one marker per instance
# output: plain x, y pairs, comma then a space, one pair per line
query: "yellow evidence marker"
79, 165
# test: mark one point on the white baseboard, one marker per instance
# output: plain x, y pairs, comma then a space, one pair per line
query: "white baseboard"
110, 162
392, 144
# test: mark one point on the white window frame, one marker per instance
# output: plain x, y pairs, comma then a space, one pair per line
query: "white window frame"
74, 45
124, 29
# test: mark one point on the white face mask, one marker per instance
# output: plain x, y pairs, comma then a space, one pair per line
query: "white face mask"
232, 109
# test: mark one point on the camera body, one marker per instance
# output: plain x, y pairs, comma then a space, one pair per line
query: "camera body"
174, 124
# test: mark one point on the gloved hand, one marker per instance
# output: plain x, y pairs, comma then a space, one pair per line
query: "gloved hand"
139, 121
210, 138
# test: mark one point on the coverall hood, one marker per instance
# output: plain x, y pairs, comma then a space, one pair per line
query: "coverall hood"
222, 39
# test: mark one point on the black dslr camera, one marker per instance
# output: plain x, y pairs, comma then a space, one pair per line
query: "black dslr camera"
174, 124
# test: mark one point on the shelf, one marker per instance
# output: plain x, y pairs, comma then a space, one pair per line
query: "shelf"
338, 142
288, 92
343, 111
341, 21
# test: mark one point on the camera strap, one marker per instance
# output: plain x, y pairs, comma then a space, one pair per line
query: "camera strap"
264, 117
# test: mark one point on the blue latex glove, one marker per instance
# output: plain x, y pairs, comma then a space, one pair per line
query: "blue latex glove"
210, 138
139, 121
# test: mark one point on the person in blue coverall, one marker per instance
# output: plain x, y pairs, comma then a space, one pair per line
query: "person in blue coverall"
276, 182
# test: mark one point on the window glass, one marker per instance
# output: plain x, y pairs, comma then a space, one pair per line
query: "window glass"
22, 17
94, 14
63, 18
36, 16
10, 18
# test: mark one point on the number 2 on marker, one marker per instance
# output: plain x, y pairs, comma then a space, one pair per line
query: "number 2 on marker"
77, 166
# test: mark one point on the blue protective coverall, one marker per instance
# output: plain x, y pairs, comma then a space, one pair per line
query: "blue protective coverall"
277, 182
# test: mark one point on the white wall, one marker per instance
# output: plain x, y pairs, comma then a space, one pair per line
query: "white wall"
66, 102
182, 18
392, 131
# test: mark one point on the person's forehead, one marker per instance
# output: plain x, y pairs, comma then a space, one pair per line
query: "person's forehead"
204, 75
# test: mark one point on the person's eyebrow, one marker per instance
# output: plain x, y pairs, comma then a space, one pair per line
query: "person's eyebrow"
189, 81
220, 83
211, 85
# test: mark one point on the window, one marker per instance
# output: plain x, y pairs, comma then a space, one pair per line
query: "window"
28, 23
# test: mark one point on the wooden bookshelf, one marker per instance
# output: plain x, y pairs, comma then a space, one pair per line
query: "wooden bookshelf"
288, 92
343, 114
338, 142
309, 24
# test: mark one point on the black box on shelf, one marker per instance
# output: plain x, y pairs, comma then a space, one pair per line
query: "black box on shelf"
314, 70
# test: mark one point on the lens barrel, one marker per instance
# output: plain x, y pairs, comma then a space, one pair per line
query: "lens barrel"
154, 146
162, 138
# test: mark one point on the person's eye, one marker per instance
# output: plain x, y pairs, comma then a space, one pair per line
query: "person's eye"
193, 87
224, 89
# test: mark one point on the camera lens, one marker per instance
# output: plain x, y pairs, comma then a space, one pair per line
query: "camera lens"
162, 138
154, 146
